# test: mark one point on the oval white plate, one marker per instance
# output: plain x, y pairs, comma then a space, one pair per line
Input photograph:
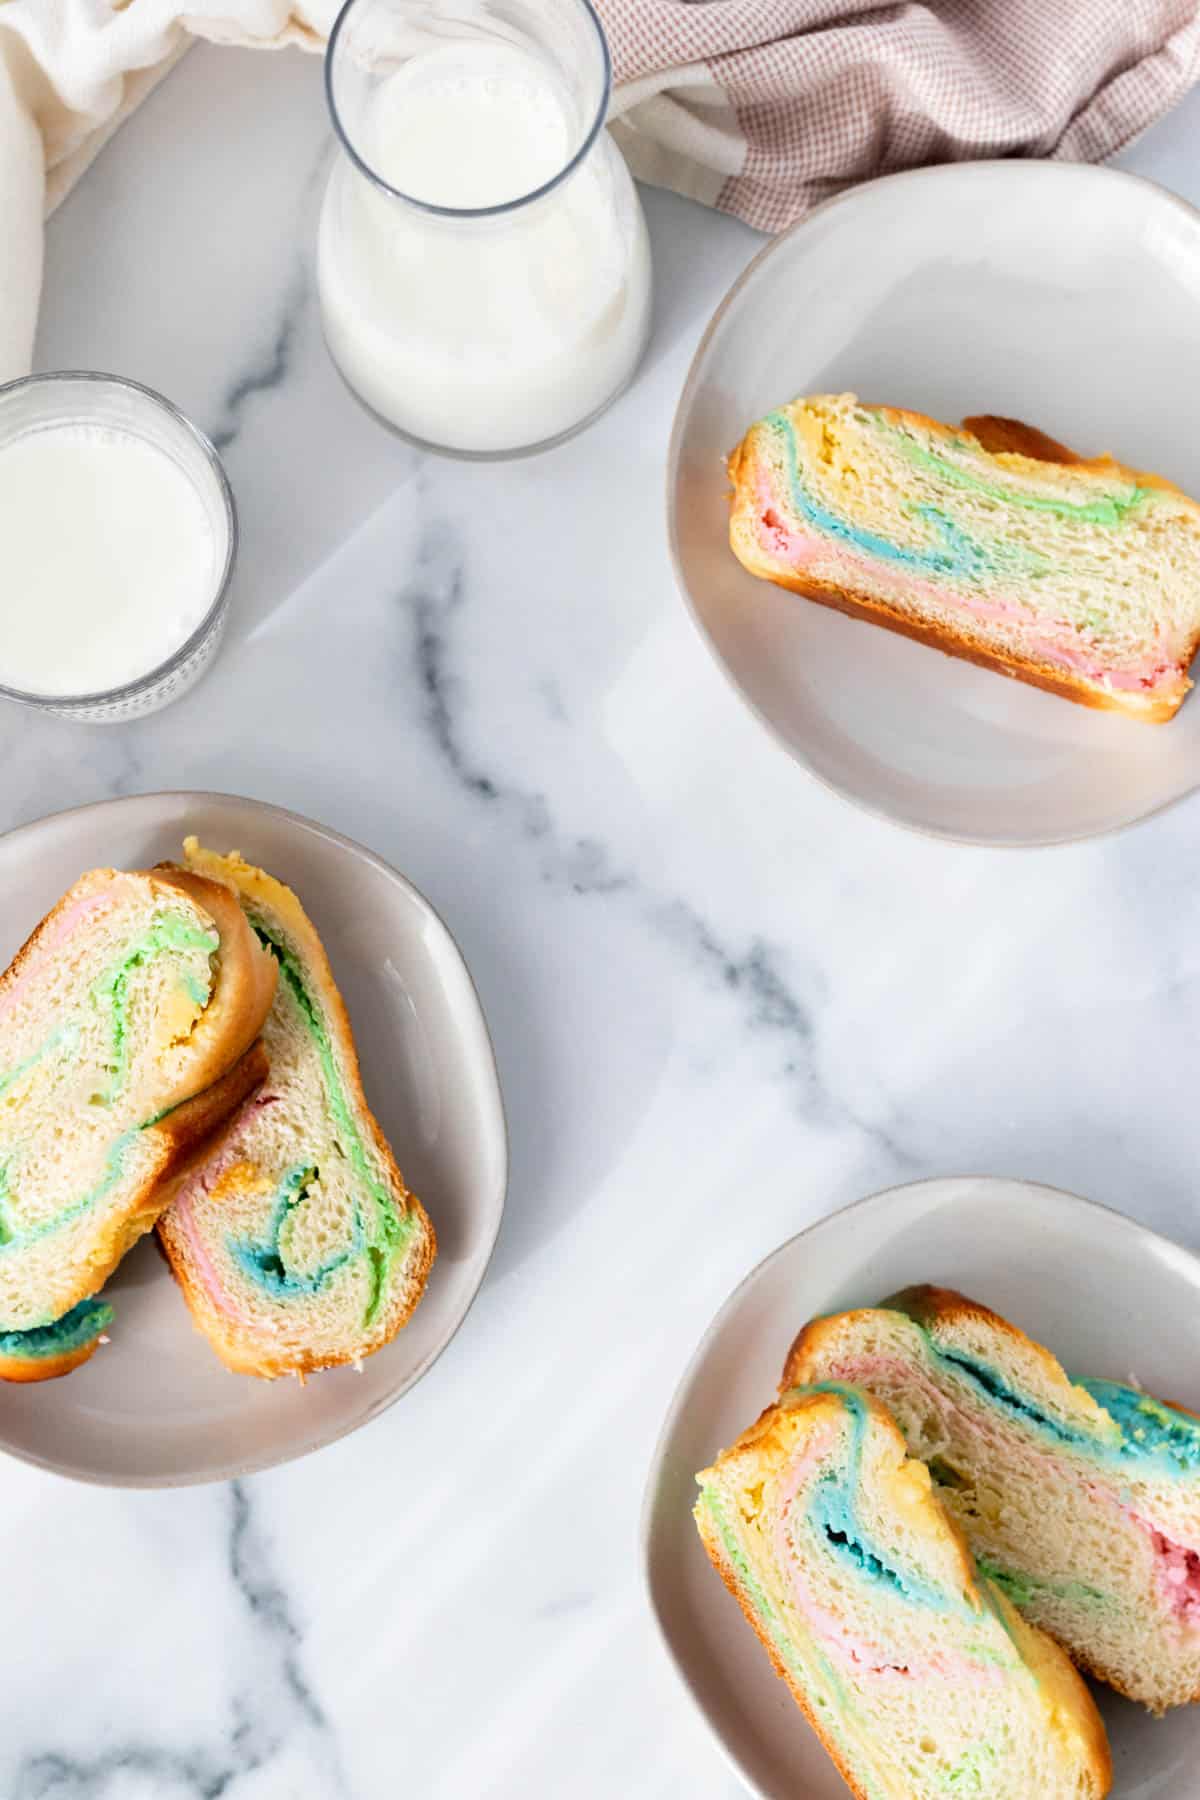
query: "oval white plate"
1108, 1296
155, 1408
1063, 295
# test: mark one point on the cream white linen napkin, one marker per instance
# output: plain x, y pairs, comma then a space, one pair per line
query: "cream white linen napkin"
71, 71
760, 107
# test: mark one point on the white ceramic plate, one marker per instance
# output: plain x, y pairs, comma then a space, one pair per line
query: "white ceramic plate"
1108, 1296
155, 1408
1064, 295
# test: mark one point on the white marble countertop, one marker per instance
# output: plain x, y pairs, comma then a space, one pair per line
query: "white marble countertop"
723, 1003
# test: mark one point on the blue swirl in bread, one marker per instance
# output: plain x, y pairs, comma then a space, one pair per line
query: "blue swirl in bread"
1080, 1499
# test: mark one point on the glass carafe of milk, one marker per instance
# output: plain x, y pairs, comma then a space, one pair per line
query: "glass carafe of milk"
483, 264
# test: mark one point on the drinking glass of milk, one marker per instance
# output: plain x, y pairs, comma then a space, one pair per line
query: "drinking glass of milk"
117, 542
483, 263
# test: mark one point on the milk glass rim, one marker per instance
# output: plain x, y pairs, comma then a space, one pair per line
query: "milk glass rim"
471, 212
130, 690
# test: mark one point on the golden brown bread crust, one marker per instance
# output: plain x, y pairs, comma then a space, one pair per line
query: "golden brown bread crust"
248, 1357
997, 436
1009, 437
45, 1368
928, 1306
925, 1302
798, 1370
931, 1305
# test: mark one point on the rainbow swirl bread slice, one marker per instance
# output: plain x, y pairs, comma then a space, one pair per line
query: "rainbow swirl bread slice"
127, 1028
918, 1676
989, 541
296, 1243
1082, 1501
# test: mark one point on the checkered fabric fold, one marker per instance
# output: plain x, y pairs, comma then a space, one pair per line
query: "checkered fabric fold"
765, 107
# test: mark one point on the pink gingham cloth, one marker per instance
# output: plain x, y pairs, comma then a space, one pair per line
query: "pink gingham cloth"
765, 107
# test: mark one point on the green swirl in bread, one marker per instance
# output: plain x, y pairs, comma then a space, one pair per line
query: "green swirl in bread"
920, 1678
126, 1030
1081, 1500
295, 1241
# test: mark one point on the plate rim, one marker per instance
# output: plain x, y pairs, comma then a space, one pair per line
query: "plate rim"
655, 1469
238, 1470
1016, 168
